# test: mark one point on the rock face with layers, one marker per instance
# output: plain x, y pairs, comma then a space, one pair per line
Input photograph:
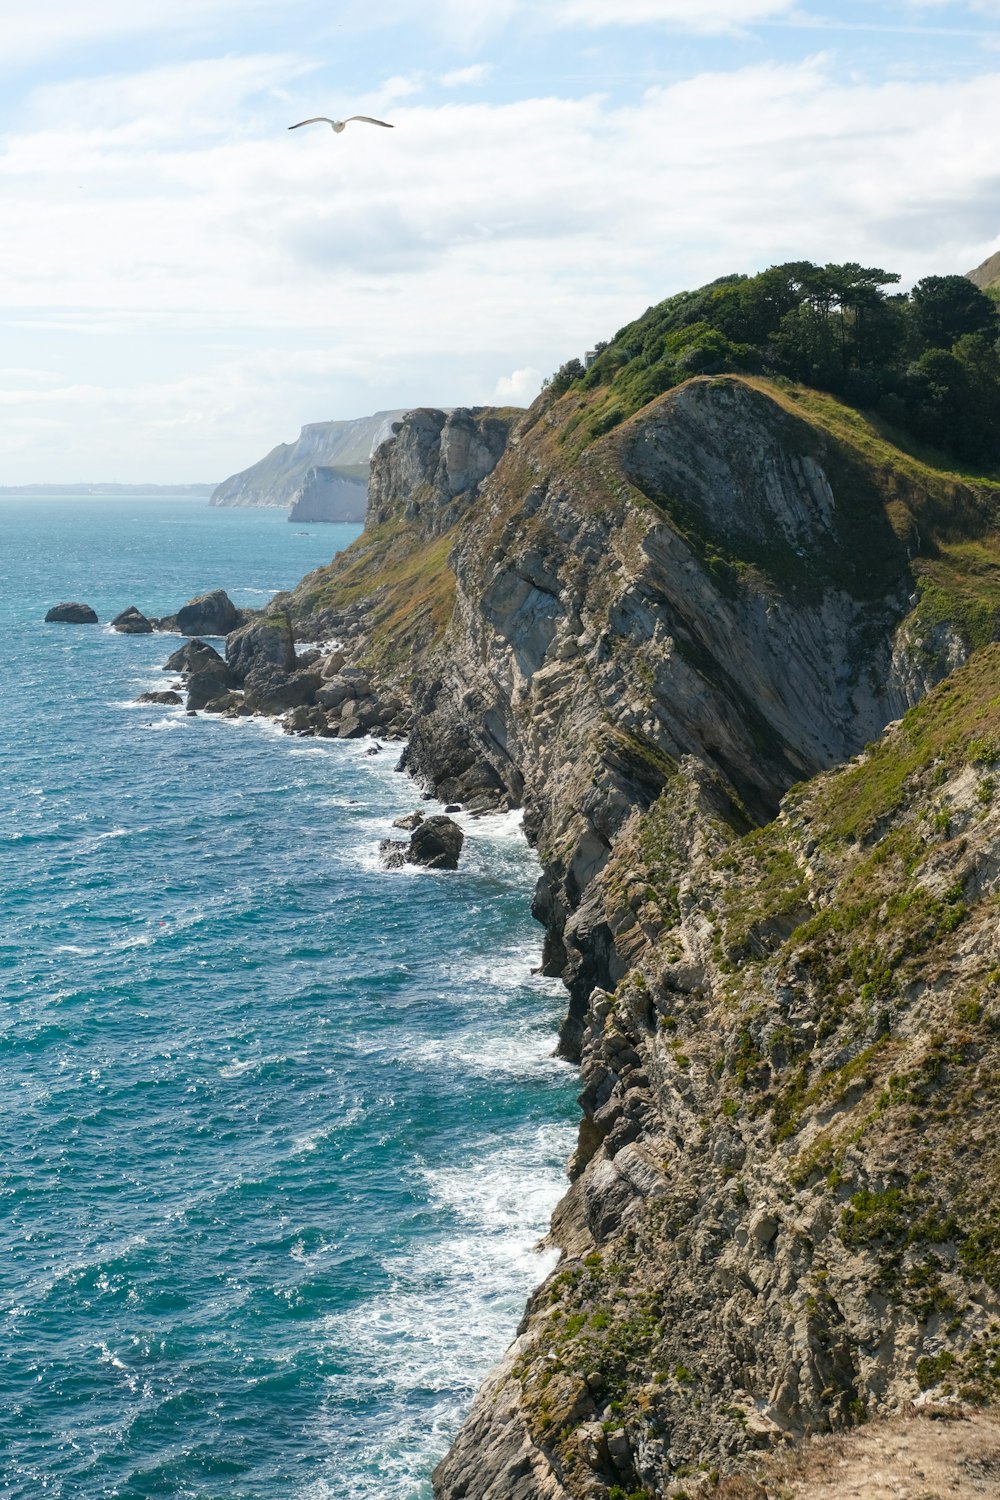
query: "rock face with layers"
277, 478
329, 494
782, 1000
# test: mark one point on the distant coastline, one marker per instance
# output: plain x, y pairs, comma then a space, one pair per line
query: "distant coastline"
124, 490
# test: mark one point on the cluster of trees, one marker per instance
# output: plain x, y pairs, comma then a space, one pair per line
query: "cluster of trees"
928, 361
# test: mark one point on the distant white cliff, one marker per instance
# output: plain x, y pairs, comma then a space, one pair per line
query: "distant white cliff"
326, 466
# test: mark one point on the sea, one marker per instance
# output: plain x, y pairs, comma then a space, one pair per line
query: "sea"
280, 1131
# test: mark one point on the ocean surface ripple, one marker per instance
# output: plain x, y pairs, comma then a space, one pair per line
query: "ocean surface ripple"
279, 1130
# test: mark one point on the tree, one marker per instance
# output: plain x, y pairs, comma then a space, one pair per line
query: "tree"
945, 308
565, 376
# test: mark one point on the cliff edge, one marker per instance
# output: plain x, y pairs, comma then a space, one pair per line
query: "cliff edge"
733, 659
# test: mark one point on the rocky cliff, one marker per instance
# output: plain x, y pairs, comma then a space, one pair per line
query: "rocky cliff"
329, 494
988, 274
732, 658
278, 478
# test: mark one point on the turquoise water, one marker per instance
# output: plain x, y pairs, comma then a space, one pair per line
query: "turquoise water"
278, 1130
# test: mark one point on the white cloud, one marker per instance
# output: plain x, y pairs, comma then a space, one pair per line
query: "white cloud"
692, 15
464, 77
216, 286
46, 27
519, 388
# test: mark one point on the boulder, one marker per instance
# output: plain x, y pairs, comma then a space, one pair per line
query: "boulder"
435, 844
208, 614
334, 691
262, 647
204, 688
132, 621
167, 696
408, 821
275, 692
226, 703
333, 663
71, 614
195, 656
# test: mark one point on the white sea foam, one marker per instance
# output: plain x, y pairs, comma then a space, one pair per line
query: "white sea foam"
177, 721
450, 1312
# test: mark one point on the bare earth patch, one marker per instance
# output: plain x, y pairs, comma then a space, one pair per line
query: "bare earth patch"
934, 1454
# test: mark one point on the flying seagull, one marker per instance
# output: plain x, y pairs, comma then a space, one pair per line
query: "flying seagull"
338, 125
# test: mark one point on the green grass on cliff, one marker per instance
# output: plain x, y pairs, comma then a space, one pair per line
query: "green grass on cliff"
400, 577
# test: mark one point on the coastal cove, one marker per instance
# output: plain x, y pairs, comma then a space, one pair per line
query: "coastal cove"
280, 1129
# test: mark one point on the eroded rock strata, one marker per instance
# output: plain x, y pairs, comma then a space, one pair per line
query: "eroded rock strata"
732, 659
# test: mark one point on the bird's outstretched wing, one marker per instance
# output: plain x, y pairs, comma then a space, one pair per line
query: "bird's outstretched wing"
369, 121
313, 120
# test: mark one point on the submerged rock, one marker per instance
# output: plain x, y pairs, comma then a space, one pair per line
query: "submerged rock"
71, 614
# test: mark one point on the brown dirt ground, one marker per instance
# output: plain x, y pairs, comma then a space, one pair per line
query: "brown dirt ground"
932, 1454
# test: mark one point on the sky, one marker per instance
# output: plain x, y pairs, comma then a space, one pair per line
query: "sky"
184, 282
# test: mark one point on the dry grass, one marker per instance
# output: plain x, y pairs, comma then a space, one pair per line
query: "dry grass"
933, 1453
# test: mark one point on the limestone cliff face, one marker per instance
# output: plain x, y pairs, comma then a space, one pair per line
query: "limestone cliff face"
277, 478
717, 579
328, 494
782, 999
430, 469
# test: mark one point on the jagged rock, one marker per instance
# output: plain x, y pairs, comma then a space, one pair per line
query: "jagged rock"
207, 687
71, 614
262, 647
275, 692
167, 696
408, 821
334, 691
226, 703
132, 621
195, 656
645, 640
435, 843
393, 852
208, 614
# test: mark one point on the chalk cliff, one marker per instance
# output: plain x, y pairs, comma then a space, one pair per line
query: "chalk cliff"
278, 478
734, 661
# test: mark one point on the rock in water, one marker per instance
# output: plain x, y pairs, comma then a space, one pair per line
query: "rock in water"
168, 696
408, 821
208, 614
435, 843
132, 621
195, 656
71, 614
207, 675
